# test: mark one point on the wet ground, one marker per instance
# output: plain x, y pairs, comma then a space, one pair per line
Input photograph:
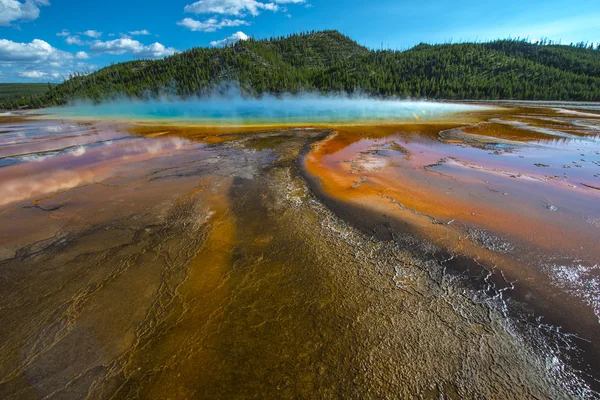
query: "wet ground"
409, 260
513, 198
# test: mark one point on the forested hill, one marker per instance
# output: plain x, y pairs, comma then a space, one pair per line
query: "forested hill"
331, 62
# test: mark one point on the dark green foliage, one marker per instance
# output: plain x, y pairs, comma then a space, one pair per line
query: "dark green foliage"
331, 62
22, 92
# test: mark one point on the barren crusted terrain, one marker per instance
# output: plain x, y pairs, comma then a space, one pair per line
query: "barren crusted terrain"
214, 272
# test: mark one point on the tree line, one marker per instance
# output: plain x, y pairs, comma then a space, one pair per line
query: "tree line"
331, 62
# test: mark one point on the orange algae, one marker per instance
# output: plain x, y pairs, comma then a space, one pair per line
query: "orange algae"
339, 163
183, 268
452, 194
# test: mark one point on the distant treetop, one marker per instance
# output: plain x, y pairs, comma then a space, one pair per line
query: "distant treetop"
328, 61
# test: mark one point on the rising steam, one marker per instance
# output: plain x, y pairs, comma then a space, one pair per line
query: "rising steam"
230, 107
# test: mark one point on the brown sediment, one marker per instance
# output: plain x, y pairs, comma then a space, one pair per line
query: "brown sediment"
504, 132
13, 119
208, 269
337, 179
407, 196
167, 367
396, 147
406, 188
459, 135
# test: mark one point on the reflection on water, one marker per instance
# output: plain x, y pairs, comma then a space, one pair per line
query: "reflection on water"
524, 206
196, 262
51, 158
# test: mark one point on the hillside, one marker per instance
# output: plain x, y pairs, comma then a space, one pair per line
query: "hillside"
20, 91
331, 62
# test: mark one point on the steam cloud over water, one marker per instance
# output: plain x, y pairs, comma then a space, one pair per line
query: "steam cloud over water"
286, 109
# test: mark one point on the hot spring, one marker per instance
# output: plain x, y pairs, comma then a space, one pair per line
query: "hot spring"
282, 247
268, 110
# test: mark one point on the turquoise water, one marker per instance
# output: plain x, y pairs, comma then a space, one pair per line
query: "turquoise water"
268, 110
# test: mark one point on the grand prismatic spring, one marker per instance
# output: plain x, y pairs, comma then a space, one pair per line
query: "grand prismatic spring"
300, 248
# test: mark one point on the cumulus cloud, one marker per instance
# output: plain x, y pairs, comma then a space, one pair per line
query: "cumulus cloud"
41, 75
143, 32
74, 40
236, 37
230, 7
91, 33
130, 46
38, 59
32, 74
13, 10
63, 33
37, 51
210, 25
238, 8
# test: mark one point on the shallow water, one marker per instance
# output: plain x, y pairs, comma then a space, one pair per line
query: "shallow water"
518, 193
280, 111
423, 258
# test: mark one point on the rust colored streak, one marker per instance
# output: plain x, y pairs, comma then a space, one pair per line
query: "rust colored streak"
379, 179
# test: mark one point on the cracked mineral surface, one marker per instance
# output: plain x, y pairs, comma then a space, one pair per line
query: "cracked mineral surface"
396, 261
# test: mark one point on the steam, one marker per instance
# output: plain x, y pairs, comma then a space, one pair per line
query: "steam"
230, 107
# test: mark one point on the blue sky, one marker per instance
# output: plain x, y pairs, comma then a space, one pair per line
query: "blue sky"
45, 40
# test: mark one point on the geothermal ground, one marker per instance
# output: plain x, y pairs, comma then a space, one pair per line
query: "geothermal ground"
450, 257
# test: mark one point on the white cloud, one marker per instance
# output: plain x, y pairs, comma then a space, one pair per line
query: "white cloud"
74, 40
32, 74
239, 8
13, 10
210, 25
35, 52
91, 33
130, 46
230, 7
230, 40
143, 32
38, 59
63, 33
